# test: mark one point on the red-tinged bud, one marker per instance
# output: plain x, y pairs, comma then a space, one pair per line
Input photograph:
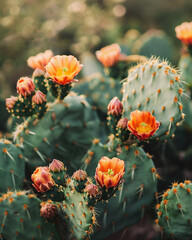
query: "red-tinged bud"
39, 97
122, 124
42, 179
10, 102
25, 86
79, 175
115, 107
56, 166
38, 73
48, 211
92, 190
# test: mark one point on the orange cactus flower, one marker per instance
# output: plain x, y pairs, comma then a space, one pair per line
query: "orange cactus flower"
40, 60
42, 179
109, 55
109, 172
25, 86
184, 32
142, 124
63, 69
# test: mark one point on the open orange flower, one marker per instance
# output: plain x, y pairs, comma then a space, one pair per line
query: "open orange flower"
109, 172
184, 32
63, 69
142, 124
42, 179
40, 60
109, 55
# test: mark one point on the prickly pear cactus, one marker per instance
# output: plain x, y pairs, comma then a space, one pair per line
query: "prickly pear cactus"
174, 211
136, 192
12, 166
20, 218
155, 87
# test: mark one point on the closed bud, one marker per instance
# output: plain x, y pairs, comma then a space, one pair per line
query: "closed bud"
115, 107
39, 97
122, 124
56, 166
25, 86
10, 102
42, 179
92, 190
48, 211
79, 175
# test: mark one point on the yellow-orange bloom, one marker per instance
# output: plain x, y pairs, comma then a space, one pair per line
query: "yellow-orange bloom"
63, 69
184, 32
109, 172
109, 55
40, 60
42, 179
142, 124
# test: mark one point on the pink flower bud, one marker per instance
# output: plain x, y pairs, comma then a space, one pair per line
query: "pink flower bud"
115, 107
42, 179
48, 210
25, 86
79, 175
122, 124
92, 190
39, 97
56, 166
10, 102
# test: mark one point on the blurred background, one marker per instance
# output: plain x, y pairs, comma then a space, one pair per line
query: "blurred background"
77, 26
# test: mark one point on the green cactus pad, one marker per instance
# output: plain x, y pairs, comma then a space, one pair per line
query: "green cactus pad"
155, 87
20, 218
175, 213
80, 217
12, 166
65, 132
41, 83
136, 192
185, 64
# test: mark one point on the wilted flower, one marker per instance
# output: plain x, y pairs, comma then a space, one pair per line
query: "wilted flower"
184, 32
39, 97
10, 102
115, 107
42, 179
79, 175
56, 166
48, 210
63, 69
109, 55
142, 124
25, 86
109, 172
40, 60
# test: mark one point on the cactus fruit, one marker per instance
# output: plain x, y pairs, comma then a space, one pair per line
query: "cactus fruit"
143, 92
20, 218
136, 192
12, 166
174, 212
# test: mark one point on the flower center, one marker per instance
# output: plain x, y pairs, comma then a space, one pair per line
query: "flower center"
110, 172
62, 71
144, 128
